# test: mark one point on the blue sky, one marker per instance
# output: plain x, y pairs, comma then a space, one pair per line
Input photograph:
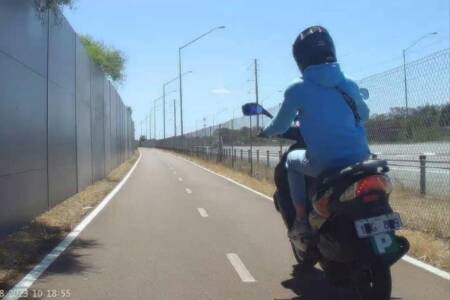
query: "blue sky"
369, 37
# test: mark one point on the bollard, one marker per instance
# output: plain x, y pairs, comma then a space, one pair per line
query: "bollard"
268, 158
250, 157
233, 157
423, 174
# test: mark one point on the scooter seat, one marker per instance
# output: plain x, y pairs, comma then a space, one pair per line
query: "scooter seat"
366, 167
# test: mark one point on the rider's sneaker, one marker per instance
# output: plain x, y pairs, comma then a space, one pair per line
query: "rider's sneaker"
300, 234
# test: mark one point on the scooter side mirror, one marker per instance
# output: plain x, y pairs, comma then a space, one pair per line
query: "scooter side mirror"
254, 109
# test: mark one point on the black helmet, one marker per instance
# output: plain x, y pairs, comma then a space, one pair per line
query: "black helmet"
314, 46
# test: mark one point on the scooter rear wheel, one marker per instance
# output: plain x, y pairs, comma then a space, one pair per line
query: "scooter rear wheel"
375, 284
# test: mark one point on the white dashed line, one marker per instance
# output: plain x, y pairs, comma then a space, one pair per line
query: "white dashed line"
188, 191
240, 268
180, 179
202, 212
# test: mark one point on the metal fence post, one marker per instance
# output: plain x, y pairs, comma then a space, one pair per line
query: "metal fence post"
423, 174
257, 155
268, 158
250, 158
234, 156
280, 154
242, 154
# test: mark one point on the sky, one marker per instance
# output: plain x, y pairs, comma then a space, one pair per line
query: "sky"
369, 38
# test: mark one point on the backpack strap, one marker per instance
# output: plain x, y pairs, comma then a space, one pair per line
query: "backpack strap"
351, 104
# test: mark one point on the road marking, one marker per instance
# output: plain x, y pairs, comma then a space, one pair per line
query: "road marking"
227, 179
427, 267
202, 212
411, 260
429, 153
180, 179
20, 288
240, 268
188, 191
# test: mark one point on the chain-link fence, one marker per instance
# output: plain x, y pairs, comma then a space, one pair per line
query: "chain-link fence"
409, 127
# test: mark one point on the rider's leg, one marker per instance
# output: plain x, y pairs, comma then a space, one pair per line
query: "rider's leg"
298, 166
297, 187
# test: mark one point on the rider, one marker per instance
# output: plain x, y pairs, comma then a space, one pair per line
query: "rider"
331, 124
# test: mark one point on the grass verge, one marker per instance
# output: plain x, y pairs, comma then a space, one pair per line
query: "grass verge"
20, 251
426, 225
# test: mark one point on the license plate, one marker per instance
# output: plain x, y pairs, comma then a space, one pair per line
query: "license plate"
384, 243
377, 225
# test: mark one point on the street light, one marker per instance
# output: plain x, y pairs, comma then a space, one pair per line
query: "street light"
404, 66
164, 99
154, 111
180, 71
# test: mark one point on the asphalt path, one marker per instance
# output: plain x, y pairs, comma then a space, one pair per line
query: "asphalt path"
176, 231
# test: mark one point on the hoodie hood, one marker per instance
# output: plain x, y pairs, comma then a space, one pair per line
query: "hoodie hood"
327, 75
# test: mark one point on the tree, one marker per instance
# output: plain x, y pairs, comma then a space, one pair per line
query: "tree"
110, 60
444, 119
54, 5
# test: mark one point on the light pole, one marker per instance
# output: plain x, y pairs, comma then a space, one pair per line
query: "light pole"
164, 99
180, 70
164, 113
404, 66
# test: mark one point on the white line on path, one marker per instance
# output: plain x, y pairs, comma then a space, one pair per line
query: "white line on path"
180, 179
20, 288
411, 260
202, 212
188, 191
427, 267
240, 268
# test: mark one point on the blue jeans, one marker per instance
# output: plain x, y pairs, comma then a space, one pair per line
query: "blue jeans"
298, 165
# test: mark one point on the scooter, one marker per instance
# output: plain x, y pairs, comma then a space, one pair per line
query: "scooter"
355, 241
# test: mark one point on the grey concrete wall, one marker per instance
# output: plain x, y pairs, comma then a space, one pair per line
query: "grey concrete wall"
62, 147
97, 123
61, 121
83, 116
107, 126
23, 113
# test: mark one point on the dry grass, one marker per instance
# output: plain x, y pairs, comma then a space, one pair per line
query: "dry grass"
429, 249
24, 248
427, 219
424, 213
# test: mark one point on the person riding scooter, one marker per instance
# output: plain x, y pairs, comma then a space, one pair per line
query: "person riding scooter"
332, 116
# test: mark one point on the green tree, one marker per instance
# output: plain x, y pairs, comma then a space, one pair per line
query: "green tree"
444, 119
54, 5
109, 59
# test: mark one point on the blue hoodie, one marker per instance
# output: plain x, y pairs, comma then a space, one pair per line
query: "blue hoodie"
327, 123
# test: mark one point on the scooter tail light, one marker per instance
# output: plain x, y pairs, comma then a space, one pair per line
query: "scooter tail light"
364, 187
